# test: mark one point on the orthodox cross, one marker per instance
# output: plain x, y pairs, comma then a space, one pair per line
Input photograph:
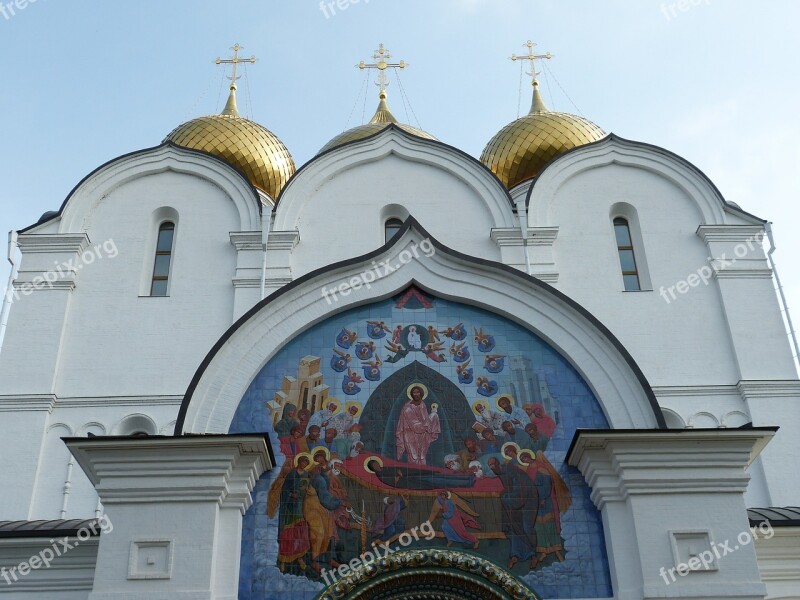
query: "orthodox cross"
381, 57
533, 58
235, 62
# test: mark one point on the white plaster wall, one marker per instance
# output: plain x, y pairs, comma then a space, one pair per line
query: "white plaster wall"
345, 217
118, 342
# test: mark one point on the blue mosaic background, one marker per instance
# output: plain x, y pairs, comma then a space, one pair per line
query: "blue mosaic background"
583, 574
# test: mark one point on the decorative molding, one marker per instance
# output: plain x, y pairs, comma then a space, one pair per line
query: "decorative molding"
33, 402
247, 240
776, 388
542, 236
724, 273
30, 243
779, 556
277, 282
246, 282
77, 402
512, 236
728, 233
618, 464
670, 391
26, 285
211, 468
551, 278
283, 240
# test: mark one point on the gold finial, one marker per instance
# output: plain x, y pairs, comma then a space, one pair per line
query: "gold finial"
537, 105
382, 56
230, 106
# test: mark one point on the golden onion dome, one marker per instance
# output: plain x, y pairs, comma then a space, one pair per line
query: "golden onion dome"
521, 149
244, 144
383, 118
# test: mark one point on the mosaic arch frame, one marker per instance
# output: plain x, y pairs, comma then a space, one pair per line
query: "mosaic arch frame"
227, 370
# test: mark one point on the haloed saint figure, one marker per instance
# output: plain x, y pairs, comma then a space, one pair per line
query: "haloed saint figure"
416, 429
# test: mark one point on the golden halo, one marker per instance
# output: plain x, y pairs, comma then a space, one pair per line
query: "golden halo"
351, 404
509, 396
307, 455
525, 452
330, 401
370, 459
507, 445
319, 449
434, 406
479, 402
419, 385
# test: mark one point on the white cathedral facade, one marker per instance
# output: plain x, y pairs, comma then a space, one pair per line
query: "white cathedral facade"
157, 421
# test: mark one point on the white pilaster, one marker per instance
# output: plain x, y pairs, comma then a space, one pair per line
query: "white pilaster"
666, 495
176, 505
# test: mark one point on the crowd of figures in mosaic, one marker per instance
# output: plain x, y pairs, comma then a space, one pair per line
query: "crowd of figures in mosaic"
419, 410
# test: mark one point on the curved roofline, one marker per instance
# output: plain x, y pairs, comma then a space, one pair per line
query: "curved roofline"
143, 151
408, 134
408, 224
613, 137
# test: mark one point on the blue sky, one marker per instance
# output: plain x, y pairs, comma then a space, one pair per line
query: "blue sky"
85, 81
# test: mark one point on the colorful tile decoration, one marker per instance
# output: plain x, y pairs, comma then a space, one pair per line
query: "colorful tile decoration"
426, 416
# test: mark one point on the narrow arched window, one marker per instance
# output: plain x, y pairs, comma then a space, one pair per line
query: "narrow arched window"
166, 235
627, 260
392, 227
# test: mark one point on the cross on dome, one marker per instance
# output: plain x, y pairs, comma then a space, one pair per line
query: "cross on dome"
235, 62
230, 106
532, 57
382, 55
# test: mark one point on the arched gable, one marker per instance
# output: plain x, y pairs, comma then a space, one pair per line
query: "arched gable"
225, 374
478, 184
78, 205
614, 150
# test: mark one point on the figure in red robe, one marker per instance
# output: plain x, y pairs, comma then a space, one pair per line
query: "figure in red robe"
416, 429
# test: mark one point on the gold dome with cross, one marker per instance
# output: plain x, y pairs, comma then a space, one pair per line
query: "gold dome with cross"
521, 149
244, 144
383, 116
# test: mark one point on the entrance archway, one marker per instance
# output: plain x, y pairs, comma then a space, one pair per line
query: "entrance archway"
428, 575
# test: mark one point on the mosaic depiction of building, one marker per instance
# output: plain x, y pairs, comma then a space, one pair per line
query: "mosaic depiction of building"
420, 412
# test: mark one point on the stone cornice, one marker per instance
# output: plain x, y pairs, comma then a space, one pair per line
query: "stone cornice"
779, 556
246, 282
512, 236
668, 391
786, 388
32, 402
206, 468
723, 273
728, 233
620, 463
30, 243
282, 240
48, 402
77, 402
247, 240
